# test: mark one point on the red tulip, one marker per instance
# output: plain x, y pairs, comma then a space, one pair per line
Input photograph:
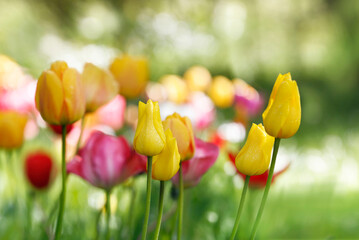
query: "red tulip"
39, 169
106, 161
257, 181
204, 157
58, 128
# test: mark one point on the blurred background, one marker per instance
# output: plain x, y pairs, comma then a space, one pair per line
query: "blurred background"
316, 41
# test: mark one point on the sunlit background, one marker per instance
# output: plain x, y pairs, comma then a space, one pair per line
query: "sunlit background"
316, 41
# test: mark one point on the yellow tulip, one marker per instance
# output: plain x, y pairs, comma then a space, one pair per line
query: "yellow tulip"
181, 128
282, 116
150, 137
132, 75
254, 157
12, 125
100, 87
166, 164
198, 78
175, 87
59, 95
221, 92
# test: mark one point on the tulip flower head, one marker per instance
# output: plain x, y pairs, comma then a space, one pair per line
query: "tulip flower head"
181, 128
247, 99
100, 87
176, 88
59, 95
12, 125
116, 107
106, 161
166, 164
198, 78
205, 156
150, 137
282, 116
254, 157
39, 169
258, 181
221, 92
132, 74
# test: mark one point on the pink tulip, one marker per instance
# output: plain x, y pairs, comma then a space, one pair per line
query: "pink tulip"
204, 157
106, 161
113, 113
247, 98
20, 99
204, 110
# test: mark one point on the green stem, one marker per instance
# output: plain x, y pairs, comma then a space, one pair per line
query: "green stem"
63, 192
160, 210
81, 133
266, 190
131, 212
173, 228
240, 208
30, 202
148, 197
108, 213
180, 204
98, 217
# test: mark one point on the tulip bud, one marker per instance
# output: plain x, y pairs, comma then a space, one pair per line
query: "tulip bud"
59, 96
150, 137
221, 92
254, 157
100, 87
166, 164
39, 169
282, 116
12, 125
181, 128
132, 74
176, 88
198, 78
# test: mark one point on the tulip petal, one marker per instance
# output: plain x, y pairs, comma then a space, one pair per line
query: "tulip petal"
167, 163
12, 125
205, 156
134, 165
279, 110
49, 97
100, 86
254, 157
59, 68
149, 137
292, 123
74, 97
106, 161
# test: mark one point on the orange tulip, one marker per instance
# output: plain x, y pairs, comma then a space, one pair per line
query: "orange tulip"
60, 95
100, 87
181, 128
132, 75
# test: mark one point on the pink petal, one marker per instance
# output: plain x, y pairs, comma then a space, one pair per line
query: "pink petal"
205, 156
